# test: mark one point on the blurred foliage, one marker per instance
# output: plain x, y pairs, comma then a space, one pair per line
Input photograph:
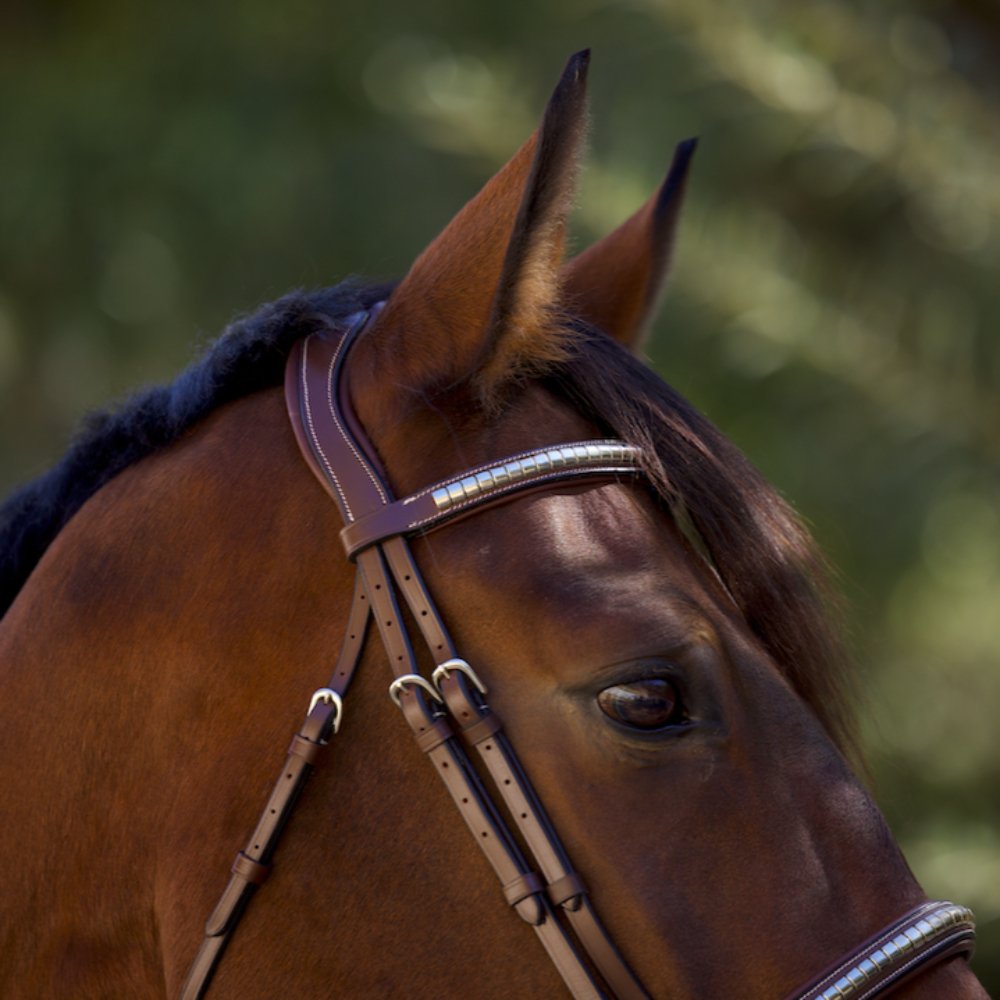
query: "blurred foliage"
831, 307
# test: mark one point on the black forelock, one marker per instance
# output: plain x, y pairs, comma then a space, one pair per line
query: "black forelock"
763, 553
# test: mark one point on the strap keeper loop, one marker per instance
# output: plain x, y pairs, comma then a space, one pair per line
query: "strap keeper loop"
308, 750
482, 729
249, 870
522, 894
433, 737
567, 892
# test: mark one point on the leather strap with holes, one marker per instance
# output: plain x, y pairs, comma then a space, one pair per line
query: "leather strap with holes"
253, 863
376, 524
483, 732
324, 433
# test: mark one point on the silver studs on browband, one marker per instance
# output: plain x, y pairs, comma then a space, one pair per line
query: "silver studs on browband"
536, 465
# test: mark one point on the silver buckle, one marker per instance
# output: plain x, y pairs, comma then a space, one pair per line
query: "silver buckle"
329, 697
443, 669
396, 687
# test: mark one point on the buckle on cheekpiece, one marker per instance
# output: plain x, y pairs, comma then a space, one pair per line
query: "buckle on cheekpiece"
399, 684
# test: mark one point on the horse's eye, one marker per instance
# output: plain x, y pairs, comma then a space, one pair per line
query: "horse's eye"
650, 703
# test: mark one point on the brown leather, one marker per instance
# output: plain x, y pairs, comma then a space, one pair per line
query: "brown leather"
312, 375
476, 722
481, 730
252, 871
453, 767
567, 889
348, 474
419, 512
523, 886
205, 962
352, 478
533, 823
306, 749
439, 731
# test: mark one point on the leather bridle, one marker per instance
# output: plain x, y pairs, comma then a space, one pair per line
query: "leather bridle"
451, 720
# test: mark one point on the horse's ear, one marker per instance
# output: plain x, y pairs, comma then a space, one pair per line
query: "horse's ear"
479, 305
615, 284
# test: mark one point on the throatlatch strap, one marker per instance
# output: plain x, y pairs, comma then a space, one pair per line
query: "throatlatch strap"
253, 863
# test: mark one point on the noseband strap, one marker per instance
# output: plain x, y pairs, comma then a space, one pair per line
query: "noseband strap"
450, 718
925, 936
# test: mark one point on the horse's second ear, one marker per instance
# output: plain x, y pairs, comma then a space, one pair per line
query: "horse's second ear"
478, 305
616, 283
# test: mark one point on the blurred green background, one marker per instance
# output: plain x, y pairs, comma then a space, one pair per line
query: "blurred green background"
832, 307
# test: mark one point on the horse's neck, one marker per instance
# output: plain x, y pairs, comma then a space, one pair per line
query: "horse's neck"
201, 565
173, 631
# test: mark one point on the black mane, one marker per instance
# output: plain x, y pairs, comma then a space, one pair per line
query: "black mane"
250, 355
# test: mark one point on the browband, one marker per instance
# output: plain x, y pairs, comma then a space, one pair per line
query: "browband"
489, 484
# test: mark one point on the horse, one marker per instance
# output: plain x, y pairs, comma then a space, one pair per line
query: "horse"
633, 685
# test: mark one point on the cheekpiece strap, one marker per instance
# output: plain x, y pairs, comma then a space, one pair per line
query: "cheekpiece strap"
375, 535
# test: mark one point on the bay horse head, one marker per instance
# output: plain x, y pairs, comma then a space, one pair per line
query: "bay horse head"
630, 687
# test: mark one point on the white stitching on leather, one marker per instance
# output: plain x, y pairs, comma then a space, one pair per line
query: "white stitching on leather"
343, 433
312, 429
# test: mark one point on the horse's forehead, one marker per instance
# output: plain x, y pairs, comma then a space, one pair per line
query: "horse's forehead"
570, 561
612, 531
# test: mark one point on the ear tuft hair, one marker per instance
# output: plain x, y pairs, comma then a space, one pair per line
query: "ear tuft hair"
526, 334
